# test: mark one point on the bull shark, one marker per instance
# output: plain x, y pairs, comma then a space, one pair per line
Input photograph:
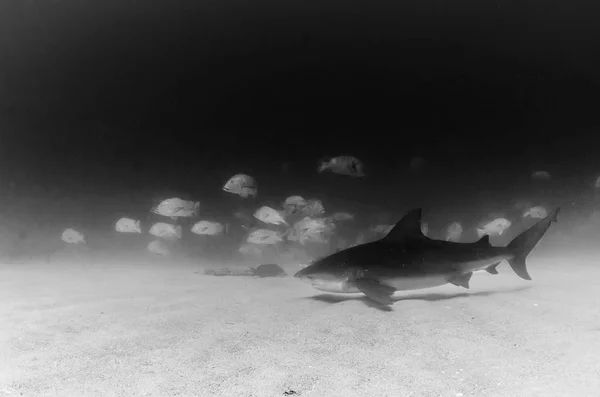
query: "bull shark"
405, 259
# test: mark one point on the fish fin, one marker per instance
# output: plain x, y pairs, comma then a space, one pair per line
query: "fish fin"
409, 227
323, 166
492, 269
376, 291
461, 280
525, 242
484, 241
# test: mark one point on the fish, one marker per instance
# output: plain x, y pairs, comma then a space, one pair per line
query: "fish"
341, 216
264, 237
293, 204
241, 184
311, 229
176, 207
597, 183
269, 215
166, 231
250, 249
541, 175
381, 230
537, 212
313, 207
297, 201
72, 236
360, 239
494, 228
454, 232
406, 259
268, 270
128, 225
424, 228
158, 247
207, 228
343, 165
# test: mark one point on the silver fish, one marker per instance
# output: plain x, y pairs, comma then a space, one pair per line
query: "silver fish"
538, 212
264, 237
311, 229
297, 201
207, 228
176, 207
344, 165
128, 225
454, 232
72, 236
494, 228
313, 207
241, 184
251, 249
541, 175
342, 216
158, 247
166, 231
269, 215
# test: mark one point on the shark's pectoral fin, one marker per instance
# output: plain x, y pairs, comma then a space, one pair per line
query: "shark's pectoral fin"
461, 280
492, 269
376, 291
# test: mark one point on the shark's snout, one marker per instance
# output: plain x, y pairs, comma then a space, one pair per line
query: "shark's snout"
301, 274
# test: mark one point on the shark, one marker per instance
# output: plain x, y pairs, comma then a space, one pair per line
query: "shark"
405, 259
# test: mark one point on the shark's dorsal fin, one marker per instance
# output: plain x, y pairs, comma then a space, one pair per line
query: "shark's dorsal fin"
484, 241
408, 228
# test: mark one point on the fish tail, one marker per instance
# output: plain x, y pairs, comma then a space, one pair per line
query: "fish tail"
323, 166
480, 232
524, 243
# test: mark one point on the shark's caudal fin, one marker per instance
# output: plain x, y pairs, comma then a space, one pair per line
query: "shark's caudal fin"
524, 243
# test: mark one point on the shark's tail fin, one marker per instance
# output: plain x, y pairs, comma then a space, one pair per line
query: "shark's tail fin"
524, 243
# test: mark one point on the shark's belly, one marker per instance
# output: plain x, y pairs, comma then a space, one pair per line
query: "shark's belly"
410, 283
338, 286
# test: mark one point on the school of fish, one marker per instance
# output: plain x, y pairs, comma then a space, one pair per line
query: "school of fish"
298, 221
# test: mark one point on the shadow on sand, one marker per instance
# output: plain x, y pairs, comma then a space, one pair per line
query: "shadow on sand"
431, 297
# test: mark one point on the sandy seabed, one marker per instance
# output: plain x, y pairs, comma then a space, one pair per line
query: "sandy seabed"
160, 328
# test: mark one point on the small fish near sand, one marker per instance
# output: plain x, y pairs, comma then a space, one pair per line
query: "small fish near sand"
264, 237
269, 215
158, 247
72, 236
541, 175
341, 216
454, 232
343, 165
251, 249
208, 228
241, 184
537, 212
262, 271
177, 208
166, 231
311, 230
297, 201
313, 208
381, 230
494, 228
128, 225
293, 204
373, 268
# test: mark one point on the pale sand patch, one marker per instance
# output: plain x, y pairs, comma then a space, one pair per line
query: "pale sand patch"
154, 328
